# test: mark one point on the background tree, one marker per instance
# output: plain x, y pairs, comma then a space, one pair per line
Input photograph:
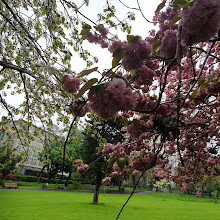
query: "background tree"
52, 156
96, 134
9, 158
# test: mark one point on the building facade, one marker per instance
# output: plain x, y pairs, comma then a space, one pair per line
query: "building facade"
30, 144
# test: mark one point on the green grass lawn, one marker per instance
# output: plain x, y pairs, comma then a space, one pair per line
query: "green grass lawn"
72, 187
48, 205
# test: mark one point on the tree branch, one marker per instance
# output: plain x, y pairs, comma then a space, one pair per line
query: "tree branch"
149, 165
143, 14
211, 55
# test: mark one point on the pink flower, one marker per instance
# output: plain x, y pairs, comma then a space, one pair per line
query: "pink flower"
115, 96
70, 84
135, 53
107, 149
135, 172
199, 193
200, 22
82, 168
106, 180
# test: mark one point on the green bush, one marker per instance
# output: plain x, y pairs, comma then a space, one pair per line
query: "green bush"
28, 178
75, 185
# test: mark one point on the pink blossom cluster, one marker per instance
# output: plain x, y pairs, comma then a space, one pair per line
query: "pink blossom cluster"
82, 168
145, 103
145, 76
135, 172
213, 88
186, 186
108, 148
118, 171
137, 128
144, 162
200, 22
199, 193
100, 38
79, 110
165, 17
70, 84
134, 53
106, 180
114, 97
169, 43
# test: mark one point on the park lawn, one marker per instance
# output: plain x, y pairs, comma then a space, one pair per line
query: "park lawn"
77, 206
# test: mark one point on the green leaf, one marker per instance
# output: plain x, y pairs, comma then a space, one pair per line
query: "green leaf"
100, 148
155, 45
174, 20
84, 31
87, 72
117, 56
86, 87
86, 26
97, 89
2, 86
132, 39
160, 6
183, 3
111, 162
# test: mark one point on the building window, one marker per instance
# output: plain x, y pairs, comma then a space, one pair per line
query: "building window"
31, 146
26, 160
38, 147
35, 154
33, 161
20, 149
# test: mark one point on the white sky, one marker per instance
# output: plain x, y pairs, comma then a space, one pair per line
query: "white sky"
139, 27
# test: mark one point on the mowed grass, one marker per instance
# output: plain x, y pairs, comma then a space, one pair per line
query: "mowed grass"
49, 205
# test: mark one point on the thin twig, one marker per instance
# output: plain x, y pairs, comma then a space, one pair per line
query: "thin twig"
14, 124
211, 55
199, 75
154, 160
128, 6
162, 90
191, 59
143, 14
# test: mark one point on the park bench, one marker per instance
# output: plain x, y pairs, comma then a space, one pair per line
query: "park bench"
61, 187
10, 185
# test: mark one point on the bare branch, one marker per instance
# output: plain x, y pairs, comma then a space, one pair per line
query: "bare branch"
128, 6
143, 14
211, 55
151, 163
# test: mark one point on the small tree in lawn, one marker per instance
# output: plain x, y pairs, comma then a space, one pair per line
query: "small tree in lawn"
97, 133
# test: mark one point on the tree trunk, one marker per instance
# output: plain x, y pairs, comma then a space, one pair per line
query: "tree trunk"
97, 187
96, 193
41, 172
67, 180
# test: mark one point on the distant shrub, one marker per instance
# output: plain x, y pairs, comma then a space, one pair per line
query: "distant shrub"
75, 185
28, 178
13, 177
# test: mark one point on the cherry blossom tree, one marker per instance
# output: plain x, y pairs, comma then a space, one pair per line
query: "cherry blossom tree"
165, 88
